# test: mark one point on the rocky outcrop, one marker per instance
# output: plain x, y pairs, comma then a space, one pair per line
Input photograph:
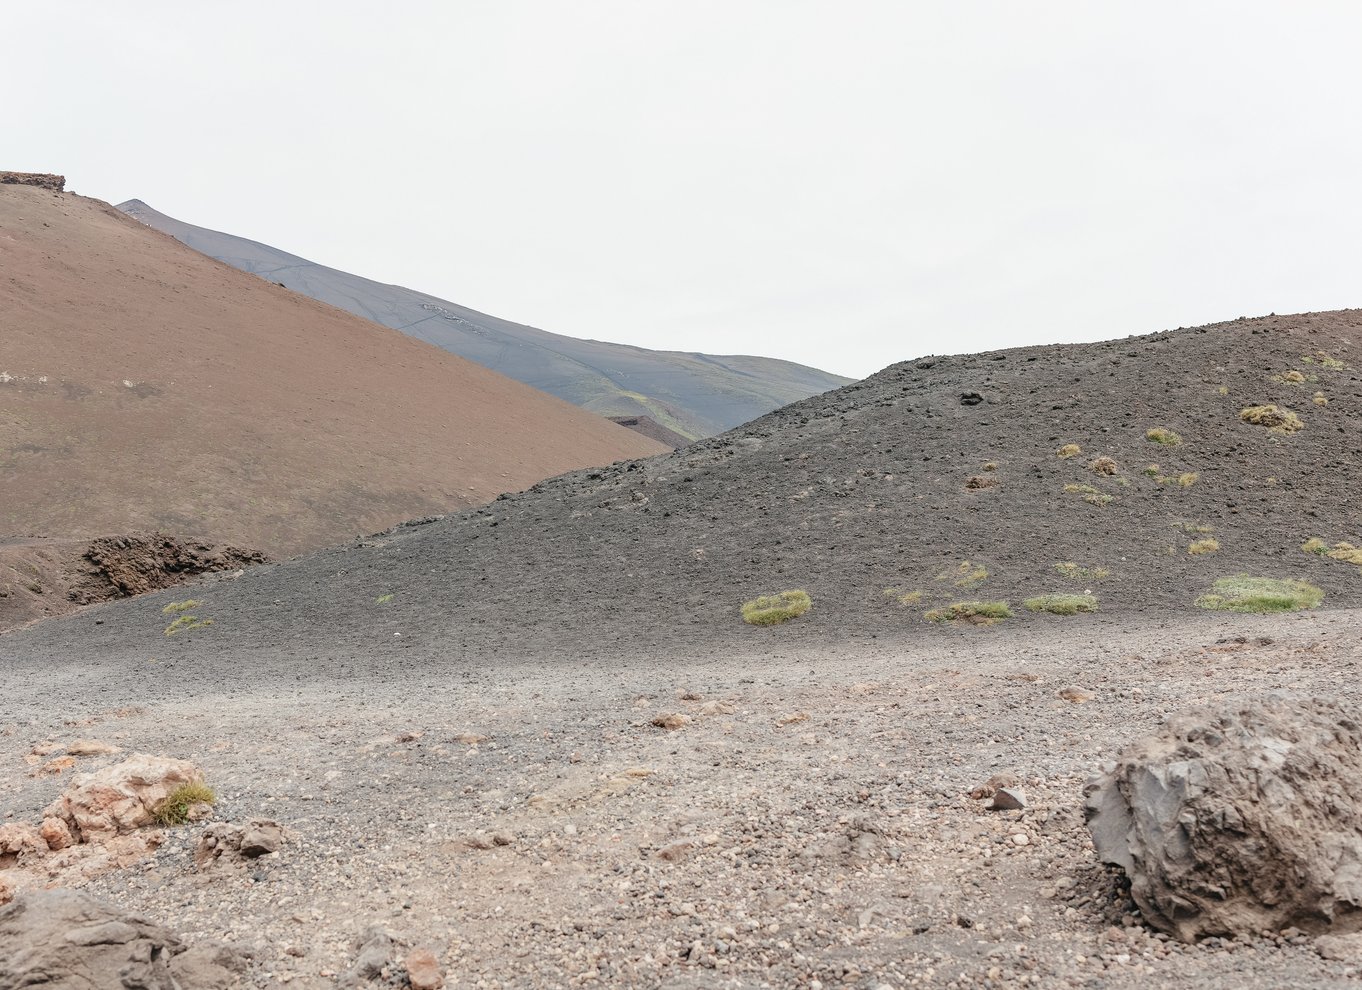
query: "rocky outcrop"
121, 798
66, 938
43, 180
43, 578
1241, 820
222, 841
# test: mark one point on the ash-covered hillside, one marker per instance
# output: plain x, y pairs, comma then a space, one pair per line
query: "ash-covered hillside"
935, 481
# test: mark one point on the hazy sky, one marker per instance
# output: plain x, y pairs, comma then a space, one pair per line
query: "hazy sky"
846, 184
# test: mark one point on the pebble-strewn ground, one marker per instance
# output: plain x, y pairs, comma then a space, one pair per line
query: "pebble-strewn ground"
808, 824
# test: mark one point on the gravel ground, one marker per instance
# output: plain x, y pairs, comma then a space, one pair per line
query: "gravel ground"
810, 824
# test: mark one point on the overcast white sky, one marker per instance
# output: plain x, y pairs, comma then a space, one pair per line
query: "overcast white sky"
846, 184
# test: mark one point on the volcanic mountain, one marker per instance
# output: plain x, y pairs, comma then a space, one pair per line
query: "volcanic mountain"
1137, 471
695, 395
145, 386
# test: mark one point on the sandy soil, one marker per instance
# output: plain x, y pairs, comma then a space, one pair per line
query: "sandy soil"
145, 386
810, 824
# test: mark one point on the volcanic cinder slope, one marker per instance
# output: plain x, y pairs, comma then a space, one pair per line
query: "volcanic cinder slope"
852, 494
694, 394
144, 386
537, 739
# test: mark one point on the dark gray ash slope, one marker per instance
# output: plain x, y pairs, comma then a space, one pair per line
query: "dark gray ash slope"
846, 495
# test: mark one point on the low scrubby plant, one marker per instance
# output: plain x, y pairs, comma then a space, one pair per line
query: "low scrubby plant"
1243, 593
1199, 547
1163, 436
1090, 494
1077, 572
183, 606
1104, 465
1061, 604
902, 596
1068, 450
174, 810
976, 613
1320, 399
1274, 418
771, 610
1316, 545
186, 622
1347, 553
1187, 479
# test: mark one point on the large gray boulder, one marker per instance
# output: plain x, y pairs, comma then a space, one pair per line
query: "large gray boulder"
68, 939
1240, 820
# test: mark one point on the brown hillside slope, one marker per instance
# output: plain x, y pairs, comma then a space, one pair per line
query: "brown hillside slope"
144, 386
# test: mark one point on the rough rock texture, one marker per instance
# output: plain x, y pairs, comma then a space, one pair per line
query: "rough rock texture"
258, 837
1240, 821
43, 180
43, 578
66, 938
120, 798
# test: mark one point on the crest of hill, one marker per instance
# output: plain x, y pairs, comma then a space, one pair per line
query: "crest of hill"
863, 497
692, 394
144, 386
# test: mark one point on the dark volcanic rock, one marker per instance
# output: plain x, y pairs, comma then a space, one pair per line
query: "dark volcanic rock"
1240, 821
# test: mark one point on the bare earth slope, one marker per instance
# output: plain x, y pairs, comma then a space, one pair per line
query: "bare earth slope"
145, 386
866, 489
695, 394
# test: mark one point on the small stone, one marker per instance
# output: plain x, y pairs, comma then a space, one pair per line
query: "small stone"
423, 970
469, 738
1341, 948
260, 838
1007, 799
989, 787
792, 718
1021, 839
675, 852
1076, 695
675, 720
56, 834
91, 747
57, 766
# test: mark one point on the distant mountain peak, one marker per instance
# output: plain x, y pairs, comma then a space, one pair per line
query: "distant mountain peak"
693, 395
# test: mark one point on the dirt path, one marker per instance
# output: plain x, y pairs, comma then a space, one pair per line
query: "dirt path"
577, 843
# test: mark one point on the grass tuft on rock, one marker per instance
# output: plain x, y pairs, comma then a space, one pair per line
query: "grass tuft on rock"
1243, 593
1061, 604
1163, 436
771, 610
975, 613
174, 810
1274, 418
